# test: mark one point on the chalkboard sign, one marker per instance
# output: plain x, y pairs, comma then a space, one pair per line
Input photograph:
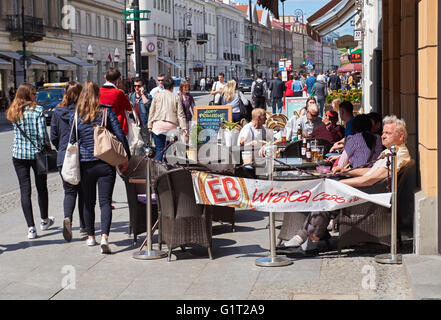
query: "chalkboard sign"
294, 104
210, 117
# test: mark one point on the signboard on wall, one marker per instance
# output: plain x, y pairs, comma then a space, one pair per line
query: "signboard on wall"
294, 104
211, 117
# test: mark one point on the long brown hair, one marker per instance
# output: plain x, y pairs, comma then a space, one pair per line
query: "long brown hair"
73, 90
22, 98
88, 102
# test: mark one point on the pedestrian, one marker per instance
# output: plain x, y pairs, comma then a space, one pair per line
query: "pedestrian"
95, 172
320, 92
160, 86
202, 84
233, 97
258, 92
216, 90
151, 84
141, 101
187, 101
297, 86
111, 94
277, 88
166, 113
310, 81
334, 82
288, 91
29, 136
60, 132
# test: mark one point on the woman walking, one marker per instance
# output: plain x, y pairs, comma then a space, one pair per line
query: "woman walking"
187, 101
95, 172
30, 136
233, 97
166, 113
60, 132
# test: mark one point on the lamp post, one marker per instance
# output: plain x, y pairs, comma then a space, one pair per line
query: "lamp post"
299, 13
231, 53
23, 40
284, 31
251, 41
184, 39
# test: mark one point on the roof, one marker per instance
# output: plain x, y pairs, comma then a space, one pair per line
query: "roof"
243, 8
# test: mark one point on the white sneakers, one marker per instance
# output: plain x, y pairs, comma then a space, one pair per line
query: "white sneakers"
105, 249
44, 225
295, 241
91, 242
32, 233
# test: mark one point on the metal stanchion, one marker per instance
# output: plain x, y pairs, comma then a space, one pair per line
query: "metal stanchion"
272, 260
150, 254
392, 257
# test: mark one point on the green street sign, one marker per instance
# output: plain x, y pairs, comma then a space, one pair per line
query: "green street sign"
136, 15
251, 46
283, 56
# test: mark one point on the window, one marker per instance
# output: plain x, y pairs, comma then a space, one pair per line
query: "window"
88, 24
106, 28
169, 6
98, 26
115, 29
154, 4
77, 22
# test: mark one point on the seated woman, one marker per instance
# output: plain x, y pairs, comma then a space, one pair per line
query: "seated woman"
231, 96
360, 148
330, 131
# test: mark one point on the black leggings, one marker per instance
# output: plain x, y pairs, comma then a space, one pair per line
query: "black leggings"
99, 173
70, 196
23, 170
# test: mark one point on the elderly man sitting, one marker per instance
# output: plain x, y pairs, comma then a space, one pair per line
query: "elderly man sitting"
254, 133
394, 133
310, 121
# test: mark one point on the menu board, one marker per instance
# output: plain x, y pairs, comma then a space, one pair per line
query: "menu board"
294, 104
210, 117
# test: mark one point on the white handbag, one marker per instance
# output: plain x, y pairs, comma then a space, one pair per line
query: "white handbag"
134, 137
71, 163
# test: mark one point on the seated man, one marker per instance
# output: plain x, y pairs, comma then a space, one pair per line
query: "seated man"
346, 111
394, 133
254, 133
310, 121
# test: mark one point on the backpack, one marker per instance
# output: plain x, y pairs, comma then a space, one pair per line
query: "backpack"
258, 90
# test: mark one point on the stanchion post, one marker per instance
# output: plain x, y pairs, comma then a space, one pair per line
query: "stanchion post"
393, 257
150, 253
273, 260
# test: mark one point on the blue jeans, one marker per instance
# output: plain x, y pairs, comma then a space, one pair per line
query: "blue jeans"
321, 104
70, 196
160, 142
277, 105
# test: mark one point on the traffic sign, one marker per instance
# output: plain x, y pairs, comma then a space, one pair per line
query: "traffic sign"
358, 35
310, 64
281, 65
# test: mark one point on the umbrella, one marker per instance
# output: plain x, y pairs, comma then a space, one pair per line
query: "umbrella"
351, 67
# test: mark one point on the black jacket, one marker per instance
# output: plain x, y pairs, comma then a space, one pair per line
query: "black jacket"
60, 130
334, 82
320, 90
277, 88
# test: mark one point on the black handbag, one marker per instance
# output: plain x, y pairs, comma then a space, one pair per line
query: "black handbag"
45, 158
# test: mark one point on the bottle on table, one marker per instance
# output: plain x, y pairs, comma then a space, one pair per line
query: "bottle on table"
308, 152
299, 132
303, 149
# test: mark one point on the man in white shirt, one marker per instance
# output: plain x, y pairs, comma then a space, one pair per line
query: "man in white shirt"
310, 120
254, 133
160, 86
216, 90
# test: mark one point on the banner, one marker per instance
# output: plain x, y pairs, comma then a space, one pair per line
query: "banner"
280, 196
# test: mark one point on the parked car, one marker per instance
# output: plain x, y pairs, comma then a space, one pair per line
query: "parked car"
245, 84
49, 97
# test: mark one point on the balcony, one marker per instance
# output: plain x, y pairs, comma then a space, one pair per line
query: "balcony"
202, 38
184, 35
33, 28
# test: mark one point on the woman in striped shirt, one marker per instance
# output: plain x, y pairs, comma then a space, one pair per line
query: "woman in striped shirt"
28, 117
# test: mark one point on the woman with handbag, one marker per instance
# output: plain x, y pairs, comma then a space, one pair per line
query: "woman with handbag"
236, 99
94, 171
60, 133
30, 136
187, 101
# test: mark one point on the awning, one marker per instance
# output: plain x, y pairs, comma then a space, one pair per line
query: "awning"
5, 65
35, 64
271, 5
84, 64
167, 60
55, 63
332, 16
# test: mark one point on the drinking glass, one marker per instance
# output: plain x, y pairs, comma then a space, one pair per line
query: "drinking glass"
321, 153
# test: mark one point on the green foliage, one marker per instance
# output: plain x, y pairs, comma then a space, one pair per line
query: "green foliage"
194, 135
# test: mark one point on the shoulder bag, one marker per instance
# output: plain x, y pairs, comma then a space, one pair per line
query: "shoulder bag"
45, 158
106, 146
134, 137
71, 163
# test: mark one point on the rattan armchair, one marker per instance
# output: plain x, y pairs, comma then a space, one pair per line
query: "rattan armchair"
182, 221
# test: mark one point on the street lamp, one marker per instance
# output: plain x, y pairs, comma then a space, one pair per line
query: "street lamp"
231, 53
299, 13
284, 37
186, 37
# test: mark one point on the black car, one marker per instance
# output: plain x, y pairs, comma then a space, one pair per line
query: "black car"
245, 84
49, 98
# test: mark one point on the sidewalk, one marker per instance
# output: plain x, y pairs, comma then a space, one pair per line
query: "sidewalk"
50, 268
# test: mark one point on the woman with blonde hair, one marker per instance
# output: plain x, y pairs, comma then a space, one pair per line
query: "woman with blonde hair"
95, 172
30, 136
60, 132
233, 97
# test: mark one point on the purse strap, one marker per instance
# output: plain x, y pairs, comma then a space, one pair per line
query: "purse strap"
76, 127
104, 119
27, 137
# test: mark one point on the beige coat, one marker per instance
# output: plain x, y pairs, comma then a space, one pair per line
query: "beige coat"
167, 106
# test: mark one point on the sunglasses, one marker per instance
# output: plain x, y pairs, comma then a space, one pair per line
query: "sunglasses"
137, 85
160, 80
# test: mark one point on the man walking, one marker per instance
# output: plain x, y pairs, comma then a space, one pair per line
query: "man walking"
277, 88
310, 81
202, 84
334, 81
258, 92
160, 86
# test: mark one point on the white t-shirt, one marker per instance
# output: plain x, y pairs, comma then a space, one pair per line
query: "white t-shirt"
217, 86
403, 157
250, 133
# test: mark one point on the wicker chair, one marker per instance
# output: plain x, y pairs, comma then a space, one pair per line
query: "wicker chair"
182, 221
369, 222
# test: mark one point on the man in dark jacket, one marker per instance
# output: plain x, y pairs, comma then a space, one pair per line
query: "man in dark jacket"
334, 81
277, 88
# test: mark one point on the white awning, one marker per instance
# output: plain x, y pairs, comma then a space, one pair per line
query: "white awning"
5, 65
35, 64
55, 63
84, 64
167, 60
332, 16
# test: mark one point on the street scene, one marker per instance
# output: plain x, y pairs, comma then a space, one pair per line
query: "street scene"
219, 150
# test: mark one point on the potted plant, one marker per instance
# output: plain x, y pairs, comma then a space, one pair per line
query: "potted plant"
230, 131
194, 141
